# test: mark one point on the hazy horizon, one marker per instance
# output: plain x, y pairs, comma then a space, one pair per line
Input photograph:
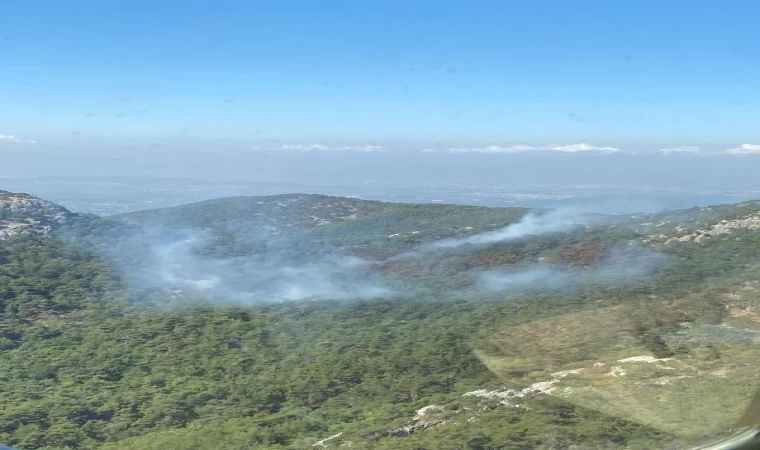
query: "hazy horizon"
339, 93
114, 195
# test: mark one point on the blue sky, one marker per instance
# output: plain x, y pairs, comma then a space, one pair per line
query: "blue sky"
499, 79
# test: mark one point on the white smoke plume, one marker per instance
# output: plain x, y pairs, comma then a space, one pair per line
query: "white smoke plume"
249, 279
531, 224
621, 265
279, 271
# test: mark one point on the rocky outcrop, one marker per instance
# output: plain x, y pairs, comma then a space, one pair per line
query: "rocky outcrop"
725, 226
26, 214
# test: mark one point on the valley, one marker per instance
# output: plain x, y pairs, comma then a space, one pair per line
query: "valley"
308, 321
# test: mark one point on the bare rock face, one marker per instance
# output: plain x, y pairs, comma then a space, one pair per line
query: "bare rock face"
26, 214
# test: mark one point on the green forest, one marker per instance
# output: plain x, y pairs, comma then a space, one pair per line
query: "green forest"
93, 360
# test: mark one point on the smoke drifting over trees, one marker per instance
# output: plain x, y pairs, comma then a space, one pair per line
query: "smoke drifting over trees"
286, 268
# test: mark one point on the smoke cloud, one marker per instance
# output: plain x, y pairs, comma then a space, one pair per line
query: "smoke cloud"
275, 268
249, 279
532, 224
621, 265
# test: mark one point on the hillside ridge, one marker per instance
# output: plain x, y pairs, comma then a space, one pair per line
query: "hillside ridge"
22, 214
357, 333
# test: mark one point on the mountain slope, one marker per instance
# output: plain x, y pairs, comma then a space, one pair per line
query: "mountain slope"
241, 224
273, 214
25, 214
89, 362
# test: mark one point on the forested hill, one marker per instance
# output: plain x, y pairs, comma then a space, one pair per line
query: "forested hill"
240, 224
274, 214
491, 344
290, 213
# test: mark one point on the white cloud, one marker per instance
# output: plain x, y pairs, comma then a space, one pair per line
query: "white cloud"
496, 149
326, 148
306, 148
744, 149
575, 148
15, 139
364, 148
489, 149
683, 149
